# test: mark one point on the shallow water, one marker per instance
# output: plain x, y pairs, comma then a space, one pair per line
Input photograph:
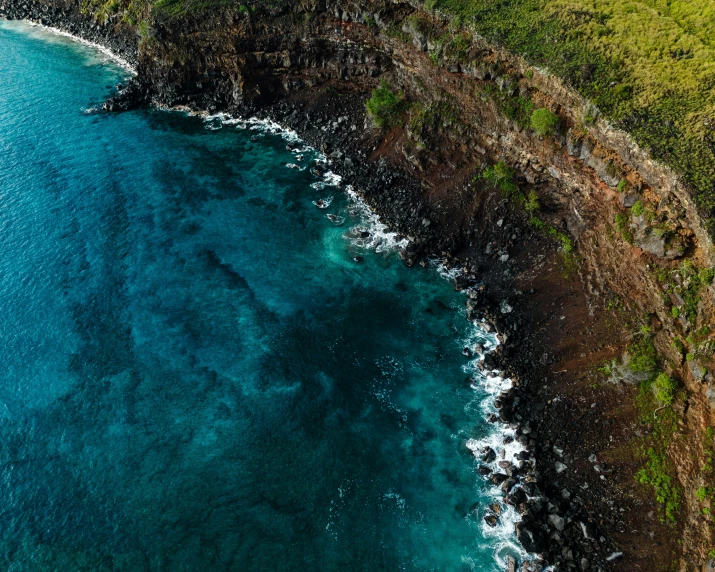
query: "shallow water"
196, 374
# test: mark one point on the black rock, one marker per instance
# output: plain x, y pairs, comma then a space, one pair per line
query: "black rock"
491, 519
484, 470
497, 478
531, 537
488, 455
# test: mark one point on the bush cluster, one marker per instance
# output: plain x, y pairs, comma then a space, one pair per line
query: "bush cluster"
502, 177
543, 121
385, 106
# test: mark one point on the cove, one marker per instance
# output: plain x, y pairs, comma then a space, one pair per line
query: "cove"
200, 369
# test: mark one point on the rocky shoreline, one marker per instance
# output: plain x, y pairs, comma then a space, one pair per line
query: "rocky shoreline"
118, 39
569, 519
556, 527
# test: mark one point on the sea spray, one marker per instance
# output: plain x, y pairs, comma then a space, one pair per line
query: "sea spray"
370, 233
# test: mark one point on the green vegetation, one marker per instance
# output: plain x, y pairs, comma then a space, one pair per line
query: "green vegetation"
564, 239
568, 256
646, 66
637, 209
425, 120
664, 389
502, 177
655, 474
531, 202
644, 357
675, 312
693, 280
384, 106
518, 108
624, 228
661, 423
622, 185
394, 30
543, 121
708, 454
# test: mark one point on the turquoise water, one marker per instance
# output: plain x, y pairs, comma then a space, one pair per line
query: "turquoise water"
196, 373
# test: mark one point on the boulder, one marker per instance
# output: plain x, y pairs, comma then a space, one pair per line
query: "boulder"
488, 455
532, 538
484, 470
496, 508
696, 370
491, 519
497, 478
557, 522
516, 496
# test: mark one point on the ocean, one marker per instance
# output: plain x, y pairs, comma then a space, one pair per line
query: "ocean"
201, 369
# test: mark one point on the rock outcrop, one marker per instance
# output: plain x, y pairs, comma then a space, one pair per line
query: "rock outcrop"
598, 242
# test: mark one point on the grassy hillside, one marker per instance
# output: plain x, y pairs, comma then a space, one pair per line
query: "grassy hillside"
648, 66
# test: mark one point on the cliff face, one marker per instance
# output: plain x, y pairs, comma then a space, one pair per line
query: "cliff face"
596, 267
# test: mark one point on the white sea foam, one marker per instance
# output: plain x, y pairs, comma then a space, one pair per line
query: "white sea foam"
250, 123
323, 203
337, 220
381, 238
102, 49
487, 385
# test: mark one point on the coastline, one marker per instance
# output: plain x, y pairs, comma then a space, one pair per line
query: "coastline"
121, 62
500, 443
116, 44
539, 342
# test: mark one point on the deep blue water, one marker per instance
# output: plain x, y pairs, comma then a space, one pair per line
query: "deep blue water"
195, 373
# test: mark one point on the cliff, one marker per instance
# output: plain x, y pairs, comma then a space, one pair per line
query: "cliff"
591, 259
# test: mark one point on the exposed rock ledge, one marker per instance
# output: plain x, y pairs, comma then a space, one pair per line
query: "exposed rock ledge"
316, 62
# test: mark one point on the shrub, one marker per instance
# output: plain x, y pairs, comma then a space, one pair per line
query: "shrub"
622, 226
675, 312
531, 203
622, 184
385, 106
655, 474
637, 209
702, 493
706, 275
664, 389
643, 354
500, 176
543, 121
518, 109
537, 223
